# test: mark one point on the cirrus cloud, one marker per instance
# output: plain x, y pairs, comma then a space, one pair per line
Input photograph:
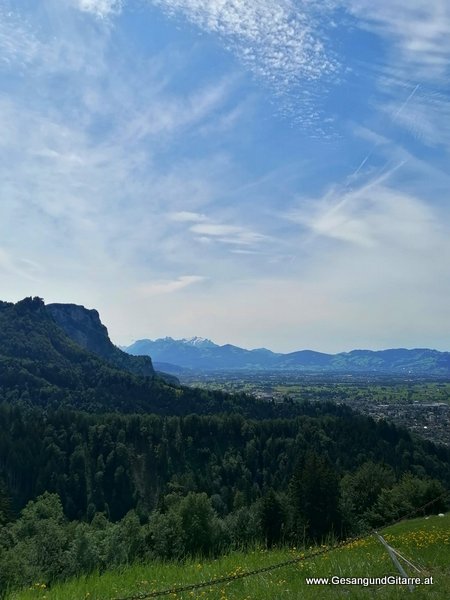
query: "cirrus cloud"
277, 39
169, 286
418, 30
100, 8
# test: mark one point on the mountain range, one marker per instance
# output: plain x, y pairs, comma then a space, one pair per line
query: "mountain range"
60, 355
60, 342
200, 354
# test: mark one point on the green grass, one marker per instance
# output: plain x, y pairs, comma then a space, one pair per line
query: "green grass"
425, 542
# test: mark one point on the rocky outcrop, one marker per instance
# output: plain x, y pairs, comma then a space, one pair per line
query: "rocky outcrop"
85, 328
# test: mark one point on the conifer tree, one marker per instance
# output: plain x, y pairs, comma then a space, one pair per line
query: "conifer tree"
314, 493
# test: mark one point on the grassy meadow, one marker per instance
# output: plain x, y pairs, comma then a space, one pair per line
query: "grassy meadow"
425, 542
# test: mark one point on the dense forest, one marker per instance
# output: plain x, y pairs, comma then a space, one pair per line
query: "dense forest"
100, 466
114, 488
113, 463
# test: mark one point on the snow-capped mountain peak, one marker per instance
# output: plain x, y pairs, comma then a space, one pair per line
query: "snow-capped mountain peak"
199, 342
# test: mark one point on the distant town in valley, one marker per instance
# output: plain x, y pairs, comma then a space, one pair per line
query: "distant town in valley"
420, 405
410, 388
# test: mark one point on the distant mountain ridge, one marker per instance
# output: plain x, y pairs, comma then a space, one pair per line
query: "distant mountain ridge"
203, 356
61, 356
212, 357
199, 342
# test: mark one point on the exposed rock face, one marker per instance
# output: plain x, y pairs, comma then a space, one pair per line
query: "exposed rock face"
84, 327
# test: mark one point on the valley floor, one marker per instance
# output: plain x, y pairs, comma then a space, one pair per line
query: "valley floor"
419, 404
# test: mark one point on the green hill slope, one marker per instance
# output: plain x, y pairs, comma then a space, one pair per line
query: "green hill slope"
40, 365
425, 542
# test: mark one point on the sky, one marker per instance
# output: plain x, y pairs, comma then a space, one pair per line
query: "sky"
259, 172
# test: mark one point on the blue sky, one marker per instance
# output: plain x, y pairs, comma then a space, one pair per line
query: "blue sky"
269, 173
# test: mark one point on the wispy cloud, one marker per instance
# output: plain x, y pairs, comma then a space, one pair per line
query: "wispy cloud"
185, 216
207, 230
227, 234
283, 43
409, 78
24, 268
277, 39
427, 118
178, 113
376, 251
418, 31
156, 288
100, 8
131, 170
18, 44
372, 216
79, 161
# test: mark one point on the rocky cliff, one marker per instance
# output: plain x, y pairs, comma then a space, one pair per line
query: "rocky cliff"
84, 327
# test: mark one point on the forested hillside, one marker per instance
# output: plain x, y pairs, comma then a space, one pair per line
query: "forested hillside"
99, 466
41, 366
114, 463
110, 489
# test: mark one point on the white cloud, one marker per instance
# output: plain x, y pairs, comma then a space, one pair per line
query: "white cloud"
345, 297
413, 64
100, 8
418, 30
207, 230
79, 163
178, 113
372, 216
276, 38
374, 271
79, 204
227, 234
427, 117
246, 252
100, 165
187, 217
18, 45
169, 286
214, 229
282, 42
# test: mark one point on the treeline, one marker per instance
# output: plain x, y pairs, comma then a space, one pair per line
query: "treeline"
115, 463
